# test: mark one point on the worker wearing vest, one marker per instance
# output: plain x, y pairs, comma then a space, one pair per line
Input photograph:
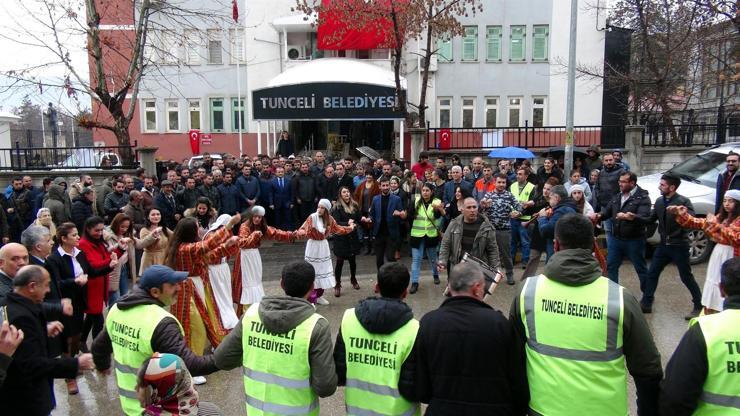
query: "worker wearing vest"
425, 235
137, 326
523, 191
702, 375
485, 184
284, 348
374, 341
580, 329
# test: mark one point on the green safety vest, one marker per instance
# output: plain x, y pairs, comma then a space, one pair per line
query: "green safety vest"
575, 363
374, 367
522, 195
721, 391
277, 374
130, 332
424, 221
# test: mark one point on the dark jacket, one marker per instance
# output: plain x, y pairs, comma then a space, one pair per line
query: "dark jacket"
114, 203
639, 204
52, 307
347, 181
187, 198
265, 181
484, 244
304, 188
380, 316
168, 208
394, 204
687, 370
166, 338
734, 184
578, 267
211, 193
82, 209
4, 364
607, 185
468, 360
281, 314
670, 232
547, 224
280, 197
543, 176
26, 389
249, 188
285, 147
346, 245
327, 187
54, 200
229, 195
449, 190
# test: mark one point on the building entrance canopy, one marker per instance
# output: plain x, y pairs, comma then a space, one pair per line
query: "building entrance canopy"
329, 89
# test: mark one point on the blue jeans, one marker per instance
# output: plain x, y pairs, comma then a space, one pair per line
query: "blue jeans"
634, 250
663, 256
113, 296
519, 235
416, 256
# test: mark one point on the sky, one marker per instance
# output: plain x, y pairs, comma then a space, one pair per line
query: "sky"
25, 36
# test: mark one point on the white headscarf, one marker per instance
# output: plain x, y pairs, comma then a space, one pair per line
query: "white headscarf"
318, 220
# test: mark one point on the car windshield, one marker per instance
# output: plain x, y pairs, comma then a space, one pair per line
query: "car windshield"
702, 168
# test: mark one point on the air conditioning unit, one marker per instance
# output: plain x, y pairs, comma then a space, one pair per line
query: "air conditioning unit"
296, 52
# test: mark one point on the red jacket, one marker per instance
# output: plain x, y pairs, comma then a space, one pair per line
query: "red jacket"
420, 168
98, 256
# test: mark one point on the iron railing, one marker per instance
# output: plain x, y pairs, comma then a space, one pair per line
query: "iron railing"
481, 138
68, 158
685, 135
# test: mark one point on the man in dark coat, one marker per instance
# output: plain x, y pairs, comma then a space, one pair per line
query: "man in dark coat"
166, 203
281, 199
26, 390
229, 196
468, 359
82, 207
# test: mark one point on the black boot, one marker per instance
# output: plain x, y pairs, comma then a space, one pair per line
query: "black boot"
414, 288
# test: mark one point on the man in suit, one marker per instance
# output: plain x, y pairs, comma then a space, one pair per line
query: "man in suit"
386, 211
281, 199
344, 178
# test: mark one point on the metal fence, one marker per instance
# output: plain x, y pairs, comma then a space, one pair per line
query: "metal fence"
68, 158
686, 135
48, 138
480, 138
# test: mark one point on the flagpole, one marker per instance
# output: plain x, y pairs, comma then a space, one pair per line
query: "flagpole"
241, 112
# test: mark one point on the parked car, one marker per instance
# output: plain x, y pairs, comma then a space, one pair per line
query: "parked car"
90, 159
699, 183
196, 161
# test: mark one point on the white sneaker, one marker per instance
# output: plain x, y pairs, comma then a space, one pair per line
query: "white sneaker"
198, 380
322, 301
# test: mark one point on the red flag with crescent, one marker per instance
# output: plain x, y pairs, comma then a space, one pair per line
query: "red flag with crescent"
194, 136
445, 139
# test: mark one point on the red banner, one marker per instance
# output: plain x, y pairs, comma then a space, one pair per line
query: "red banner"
336, 33
194, 136
444, 140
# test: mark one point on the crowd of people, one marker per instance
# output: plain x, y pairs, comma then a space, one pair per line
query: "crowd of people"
155, 253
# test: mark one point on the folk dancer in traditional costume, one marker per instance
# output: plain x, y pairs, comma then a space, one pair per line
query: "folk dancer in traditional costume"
198, 314
317, 228
220, 274
246, 278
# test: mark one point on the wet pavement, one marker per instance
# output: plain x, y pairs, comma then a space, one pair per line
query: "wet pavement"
98, 394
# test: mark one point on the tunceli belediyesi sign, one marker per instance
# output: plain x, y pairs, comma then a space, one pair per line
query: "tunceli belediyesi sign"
325, 101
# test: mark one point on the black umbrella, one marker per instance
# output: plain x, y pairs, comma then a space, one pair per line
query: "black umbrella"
558, 151
369, 152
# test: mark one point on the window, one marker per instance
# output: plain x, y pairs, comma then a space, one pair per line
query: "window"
444, 49
540, 36
169, 53
173, 115
470, 44
236, 42
491, 112
493, 43
518, 43
237, 111
150, 47
538, 111
217, 114
194, 112
444, 107
515, 112
215, 51
193, 43
150, 116
468, 112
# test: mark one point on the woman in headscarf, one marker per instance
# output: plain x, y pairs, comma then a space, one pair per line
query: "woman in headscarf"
246, 279
220, 274
165, 388
724, 229
43, 218
195, 308
317, 228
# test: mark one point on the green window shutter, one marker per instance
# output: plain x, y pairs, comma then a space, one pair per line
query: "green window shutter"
518, 46
539, 45
493, 43
470, 44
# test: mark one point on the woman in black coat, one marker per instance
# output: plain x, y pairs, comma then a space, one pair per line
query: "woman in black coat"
69, 268
346, 246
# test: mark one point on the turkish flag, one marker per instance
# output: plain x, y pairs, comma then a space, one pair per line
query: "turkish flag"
444, 140
194, 136
336, 33
235, 11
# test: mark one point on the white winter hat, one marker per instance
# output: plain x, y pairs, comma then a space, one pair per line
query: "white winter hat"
574, 188
325, 203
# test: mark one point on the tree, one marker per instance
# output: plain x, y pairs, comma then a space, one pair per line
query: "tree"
422, 20
118, 60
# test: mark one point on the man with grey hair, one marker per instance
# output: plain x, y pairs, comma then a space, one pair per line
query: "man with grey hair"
456, 179
26, 389
467, 357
